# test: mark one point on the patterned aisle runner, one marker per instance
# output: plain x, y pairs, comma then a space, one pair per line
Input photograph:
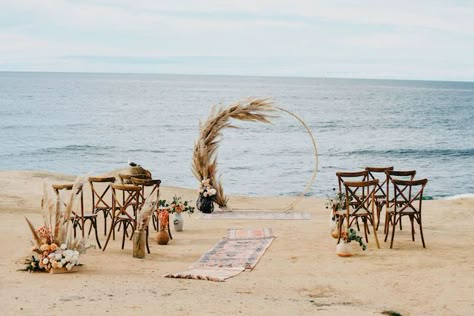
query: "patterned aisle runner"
230, 256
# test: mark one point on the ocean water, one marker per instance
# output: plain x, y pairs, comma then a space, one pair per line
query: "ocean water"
79, 123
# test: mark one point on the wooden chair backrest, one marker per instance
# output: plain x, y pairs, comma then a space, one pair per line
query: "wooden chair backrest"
379, 173
407, 193
360, 203
58, 188
99, 198
130, 198
143, 183
343, 176
395, 174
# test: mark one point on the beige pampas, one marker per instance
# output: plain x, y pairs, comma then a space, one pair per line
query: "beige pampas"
56, 221
204, 164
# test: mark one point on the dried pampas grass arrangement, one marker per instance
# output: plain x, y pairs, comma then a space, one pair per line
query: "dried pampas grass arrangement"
204, 164
56, 218
55, 249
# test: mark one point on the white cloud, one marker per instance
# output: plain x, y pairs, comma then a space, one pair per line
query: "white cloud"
299, 37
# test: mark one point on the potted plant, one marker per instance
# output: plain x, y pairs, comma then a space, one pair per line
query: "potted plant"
207, 195
343, 248
176, 207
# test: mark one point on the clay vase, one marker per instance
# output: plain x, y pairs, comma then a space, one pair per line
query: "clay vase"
162, 237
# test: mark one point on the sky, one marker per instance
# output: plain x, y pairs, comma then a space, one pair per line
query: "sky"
403, 39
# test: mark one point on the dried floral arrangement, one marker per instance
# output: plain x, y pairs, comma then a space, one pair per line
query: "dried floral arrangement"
145, 212
54, 244
204, 164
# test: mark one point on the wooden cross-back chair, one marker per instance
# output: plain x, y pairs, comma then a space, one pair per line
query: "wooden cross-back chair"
127, 178
102, 197
408, 197
124, 210
352, 176
359, 206
154, 188
389, 201
380, 194
79, 217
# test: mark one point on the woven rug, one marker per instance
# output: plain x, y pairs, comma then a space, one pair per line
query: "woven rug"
227, 258
249, 233
257, 215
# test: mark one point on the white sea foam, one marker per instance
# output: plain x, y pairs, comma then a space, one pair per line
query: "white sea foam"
461, 196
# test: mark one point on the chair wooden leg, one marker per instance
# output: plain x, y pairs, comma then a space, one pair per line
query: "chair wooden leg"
105, 221
339, 227
366, 229
379, 211
146, 240
421, 232
412, 229
169, 230
124, 226
94, 222
387, 226
393, 229
111, 232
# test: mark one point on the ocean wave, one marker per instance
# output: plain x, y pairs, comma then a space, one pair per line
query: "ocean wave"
422, 153
460, 196
74, 148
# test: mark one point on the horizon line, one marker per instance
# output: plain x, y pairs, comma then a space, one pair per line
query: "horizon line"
231, 75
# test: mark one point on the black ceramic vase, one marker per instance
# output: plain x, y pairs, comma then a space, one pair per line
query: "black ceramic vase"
205, 204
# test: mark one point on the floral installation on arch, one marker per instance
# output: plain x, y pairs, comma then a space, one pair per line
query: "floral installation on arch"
54, 244
206, 190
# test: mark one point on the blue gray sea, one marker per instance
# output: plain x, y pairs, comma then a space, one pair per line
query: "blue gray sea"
93, 123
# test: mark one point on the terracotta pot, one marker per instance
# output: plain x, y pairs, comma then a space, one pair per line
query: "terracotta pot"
162, 237
344, 249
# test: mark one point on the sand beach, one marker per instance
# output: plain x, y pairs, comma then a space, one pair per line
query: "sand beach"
299, 274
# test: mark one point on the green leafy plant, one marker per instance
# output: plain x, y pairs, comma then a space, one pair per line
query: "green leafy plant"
177, 205
351, 235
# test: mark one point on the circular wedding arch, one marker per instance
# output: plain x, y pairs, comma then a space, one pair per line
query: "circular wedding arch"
205, 150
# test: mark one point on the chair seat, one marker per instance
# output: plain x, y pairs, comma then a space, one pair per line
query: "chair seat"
88, 215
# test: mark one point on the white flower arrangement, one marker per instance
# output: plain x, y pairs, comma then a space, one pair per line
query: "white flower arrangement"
206, 189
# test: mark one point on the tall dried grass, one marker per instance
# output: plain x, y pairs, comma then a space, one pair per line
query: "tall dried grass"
56, 218
204, 163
